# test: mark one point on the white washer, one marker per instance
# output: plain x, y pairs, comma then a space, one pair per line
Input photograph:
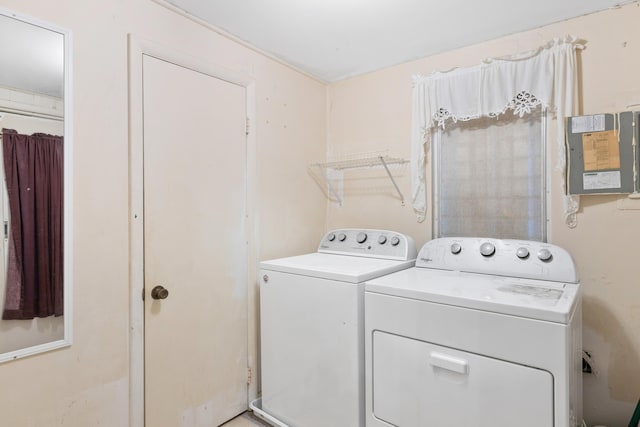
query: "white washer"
312, 326
482, 332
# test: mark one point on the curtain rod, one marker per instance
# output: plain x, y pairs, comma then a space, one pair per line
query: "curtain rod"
31, 114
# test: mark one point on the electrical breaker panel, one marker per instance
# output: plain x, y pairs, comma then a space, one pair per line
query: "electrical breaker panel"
602, 153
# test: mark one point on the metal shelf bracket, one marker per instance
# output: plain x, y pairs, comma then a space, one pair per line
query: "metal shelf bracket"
359, 162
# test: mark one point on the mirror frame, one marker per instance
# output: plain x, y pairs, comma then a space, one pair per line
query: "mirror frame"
68, 195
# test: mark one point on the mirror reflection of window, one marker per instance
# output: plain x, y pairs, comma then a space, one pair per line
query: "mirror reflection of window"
31, 103
33, 171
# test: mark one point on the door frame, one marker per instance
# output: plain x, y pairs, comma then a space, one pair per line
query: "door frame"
138, 47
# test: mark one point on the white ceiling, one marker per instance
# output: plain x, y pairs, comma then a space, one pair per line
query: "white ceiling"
336, 39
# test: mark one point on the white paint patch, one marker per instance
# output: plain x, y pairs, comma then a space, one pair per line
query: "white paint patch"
335, 178
598, 405
104, 405
204, 415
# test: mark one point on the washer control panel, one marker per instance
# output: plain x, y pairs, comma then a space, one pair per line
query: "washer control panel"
501, 257
369, 243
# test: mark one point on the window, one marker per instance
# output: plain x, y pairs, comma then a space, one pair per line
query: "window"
546, 76
490, 178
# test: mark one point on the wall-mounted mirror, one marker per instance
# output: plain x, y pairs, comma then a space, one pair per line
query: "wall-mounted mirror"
35, 199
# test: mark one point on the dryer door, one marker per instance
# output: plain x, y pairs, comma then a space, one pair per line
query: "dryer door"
417, 383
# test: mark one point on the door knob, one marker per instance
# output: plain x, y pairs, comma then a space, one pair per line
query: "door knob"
159, 292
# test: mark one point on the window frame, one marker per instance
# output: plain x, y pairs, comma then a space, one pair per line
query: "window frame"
435, 153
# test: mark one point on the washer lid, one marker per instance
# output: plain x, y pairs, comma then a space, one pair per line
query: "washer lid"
344, 268
535, 299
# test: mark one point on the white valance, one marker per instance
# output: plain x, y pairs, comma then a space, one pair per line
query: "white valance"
546, 76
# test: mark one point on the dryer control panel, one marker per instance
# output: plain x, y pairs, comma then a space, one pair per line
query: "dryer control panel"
513, 258
382, 244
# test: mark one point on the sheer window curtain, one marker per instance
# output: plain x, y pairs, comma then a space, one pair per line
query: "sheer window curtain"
545, 77
490, 179
33, 166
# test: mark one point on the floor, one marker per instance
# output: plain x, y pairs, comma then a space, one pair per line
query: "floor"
245, 420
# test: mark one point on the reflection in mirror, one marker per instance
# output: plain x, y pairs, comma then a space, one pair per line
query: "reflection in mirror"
35, 196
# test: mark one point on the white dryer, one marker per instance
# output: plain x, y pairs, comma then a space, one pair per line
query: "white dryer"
312, 326
482, 332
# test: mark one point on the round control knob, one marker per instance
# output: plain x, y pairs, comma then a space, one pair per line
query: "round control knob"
544, 255
331, 237
522, 253
342, 237
456, 248
395, 241
382, 240
361, 237
487, 249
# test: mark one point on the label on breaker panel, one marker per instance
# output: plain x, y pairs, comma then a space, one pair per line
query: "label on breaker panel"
581, 124
601, 180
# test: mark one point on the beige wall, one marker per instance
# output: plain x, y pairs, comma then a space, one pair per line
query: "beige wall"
88, 383
374, 112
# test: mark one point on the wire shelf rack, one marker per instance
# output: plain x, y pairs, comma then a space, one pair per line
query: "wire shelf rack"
359, 161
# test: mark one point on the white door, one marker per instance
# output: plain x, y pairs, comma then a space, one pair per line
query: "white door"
195, 247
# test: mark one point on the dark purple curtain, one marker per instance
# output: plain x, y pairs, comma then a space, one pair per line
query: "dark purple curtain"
33, 168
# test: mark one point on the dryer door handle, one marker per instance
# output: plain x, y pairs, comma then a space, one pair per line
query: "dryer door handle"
449, 363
